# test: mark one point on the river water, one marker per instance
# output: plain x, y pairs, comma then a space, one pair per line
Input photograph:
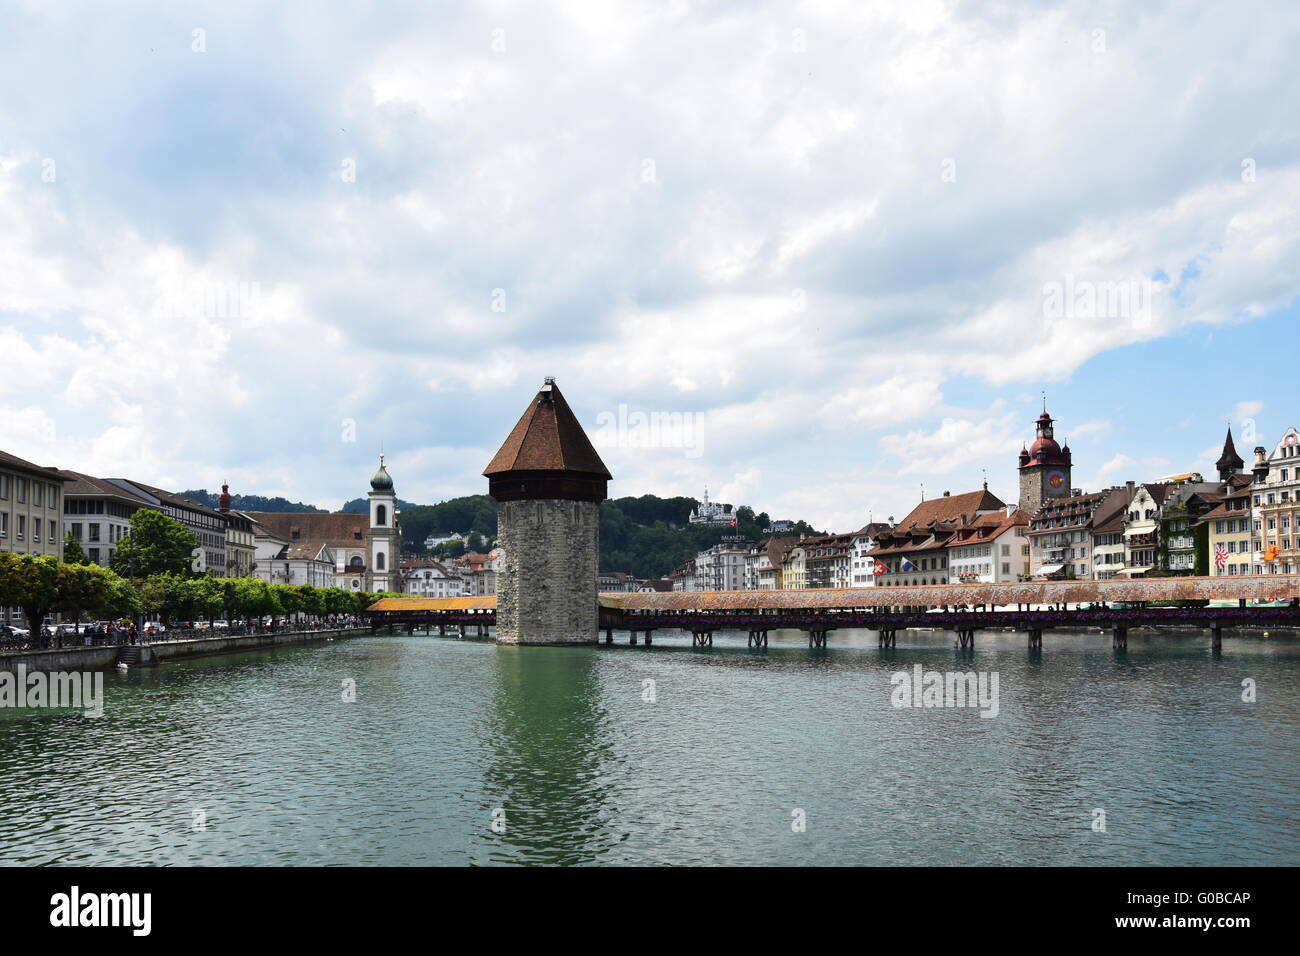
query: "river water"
462, 752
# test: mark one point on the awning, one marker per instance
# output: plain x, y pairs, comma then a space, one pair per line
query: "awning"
1133, 570
1049, 569
1146, 528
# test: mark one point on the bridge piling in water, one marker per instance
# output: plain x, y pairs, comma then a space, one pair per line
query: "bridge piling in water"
1119, 638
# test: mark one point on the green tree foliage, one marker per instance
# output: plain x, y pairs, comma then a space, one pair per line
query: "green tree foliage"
157, 545
472, 513
30, 582
449, 549
253, 503
83, 589
72, 553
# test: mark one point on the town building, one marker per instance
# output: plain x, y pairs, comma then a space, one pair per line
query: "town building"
31, 513
915, 551
767, 562
1275, 505
618, 581
297, 563
430, 579
97, 514
862, 566
31, 507
478, 572
1061, 536
1107, 532
684, 578
727, 566
1228, 531
794, 567
1142, 538
828, 559
991, 549
241, 543
365, 547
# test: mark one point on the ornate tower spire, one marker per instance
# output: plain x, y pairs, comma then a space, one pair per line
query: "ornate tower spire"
1229, 462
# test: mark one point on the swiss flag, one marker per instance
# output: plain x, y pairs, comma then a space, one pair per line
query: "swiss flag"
733, 522
880, 568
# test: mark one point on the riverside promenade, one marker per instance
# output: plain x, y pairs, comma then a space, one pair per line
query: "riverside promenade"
83, 657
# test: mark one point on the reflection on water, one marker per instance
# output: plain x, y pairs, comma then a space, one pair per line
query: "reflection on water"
735, 744
551, 747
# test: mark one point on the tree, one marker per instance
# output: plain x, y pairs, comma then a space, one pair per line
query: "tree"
475, 542
82, 588
207, 597
157, 545
257, 598
72, 553
30, 582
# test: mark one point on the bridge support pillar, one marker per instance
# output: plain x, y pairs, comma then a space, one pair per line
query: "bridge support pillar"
701, 638
1216, 636
817, 637
1119, 639
966, 637
632, 638
609, 635
888, 637
648, 642
758, 638
1035, 638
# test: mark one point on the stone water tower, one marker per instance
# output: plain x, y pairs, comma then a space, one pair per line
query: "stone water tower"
548, 483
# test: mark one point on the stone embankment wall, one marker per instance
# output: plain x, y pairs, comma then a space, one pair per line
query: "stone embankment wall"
90, 658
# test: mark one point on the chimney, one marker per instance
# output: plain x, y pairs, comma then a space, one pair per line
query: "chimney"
945, 494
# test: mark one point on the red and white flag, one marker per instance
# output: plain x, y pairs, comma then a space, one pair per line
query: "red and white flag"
1220, 556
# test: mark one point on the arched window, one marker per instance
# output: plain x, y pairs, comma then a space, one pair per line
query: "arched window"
356, 562
379, 561
381, 516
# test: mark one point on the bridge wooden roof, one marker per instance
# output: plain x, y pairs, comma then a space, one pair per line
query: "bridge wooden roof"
1268, 587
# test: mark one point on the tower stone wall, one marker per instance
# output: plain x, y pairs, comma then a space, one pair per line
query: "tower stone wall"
546, 590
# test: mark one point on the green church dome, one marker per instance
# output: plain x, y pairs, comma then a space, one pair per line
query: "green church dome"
382, 481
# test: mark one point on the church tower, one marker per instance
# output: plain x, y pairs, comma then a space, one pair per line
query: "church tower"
1229, 462
548, 483
383, 540
1044, 467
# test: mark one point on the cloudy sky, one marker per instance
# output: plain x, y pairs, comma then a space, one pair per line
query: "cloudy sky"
832, 251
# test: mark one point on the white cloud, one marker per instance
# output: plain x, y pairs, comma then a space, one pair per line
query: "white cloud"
798, 271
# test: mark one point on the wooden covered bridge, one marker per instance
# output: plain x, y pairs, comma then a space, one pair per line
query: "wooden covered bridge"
1209, 603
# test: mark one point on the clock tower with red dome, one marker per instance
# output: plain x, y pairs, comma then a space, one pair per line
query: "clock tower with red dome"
1044, 467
